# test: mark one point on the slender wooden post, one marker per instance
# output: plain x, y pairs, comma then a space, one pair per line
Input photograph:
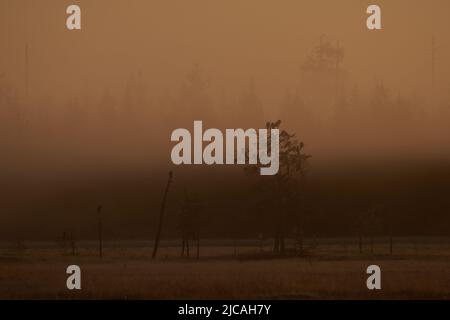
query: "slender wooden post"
360, 244
100, 232
72, 243
187, 248
198, 248
390, 245
301, 243
64, 243
182, 247
161, 216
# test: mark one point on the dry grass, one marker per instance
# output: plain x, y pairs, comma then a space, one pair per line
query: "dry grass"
127, 272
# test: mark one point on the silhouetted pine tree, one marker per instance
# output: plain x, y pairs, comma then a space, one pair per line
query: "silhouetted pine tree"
279, 194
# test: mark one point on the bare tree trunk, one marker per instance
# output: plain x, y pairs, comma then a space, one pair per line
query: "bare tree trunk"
390, 245
360, 244
198, 248
161, 216
276, 243
64, 243
301, 242
100, 232
260, 243
182, 247
72, 243
282, 246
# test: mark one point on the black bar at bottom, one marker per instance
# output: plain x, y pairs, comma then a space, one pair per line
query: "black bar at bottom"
226, 309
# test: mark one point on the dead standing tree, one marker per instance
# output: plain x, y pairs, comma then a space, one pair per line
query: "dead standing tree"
100, 232
161, 216
370, 224
189, 224
73, 244
283, 188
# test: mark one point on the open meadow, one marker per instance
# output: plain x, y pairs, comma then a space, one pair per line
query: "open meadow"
326, 268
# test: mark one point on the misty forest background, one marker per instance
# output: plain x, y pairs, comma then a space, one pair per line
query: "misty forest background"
374, 162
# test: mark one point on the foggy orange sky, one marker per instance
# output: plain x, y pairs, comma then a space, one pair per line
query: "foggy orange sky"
65, 138
232, 41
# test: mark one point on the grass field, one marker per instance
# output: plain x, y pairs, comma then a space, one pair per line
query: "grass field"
327, 269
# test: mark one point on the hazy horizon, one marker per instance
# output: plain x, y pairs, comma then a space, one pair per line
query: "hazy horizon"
99, 104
